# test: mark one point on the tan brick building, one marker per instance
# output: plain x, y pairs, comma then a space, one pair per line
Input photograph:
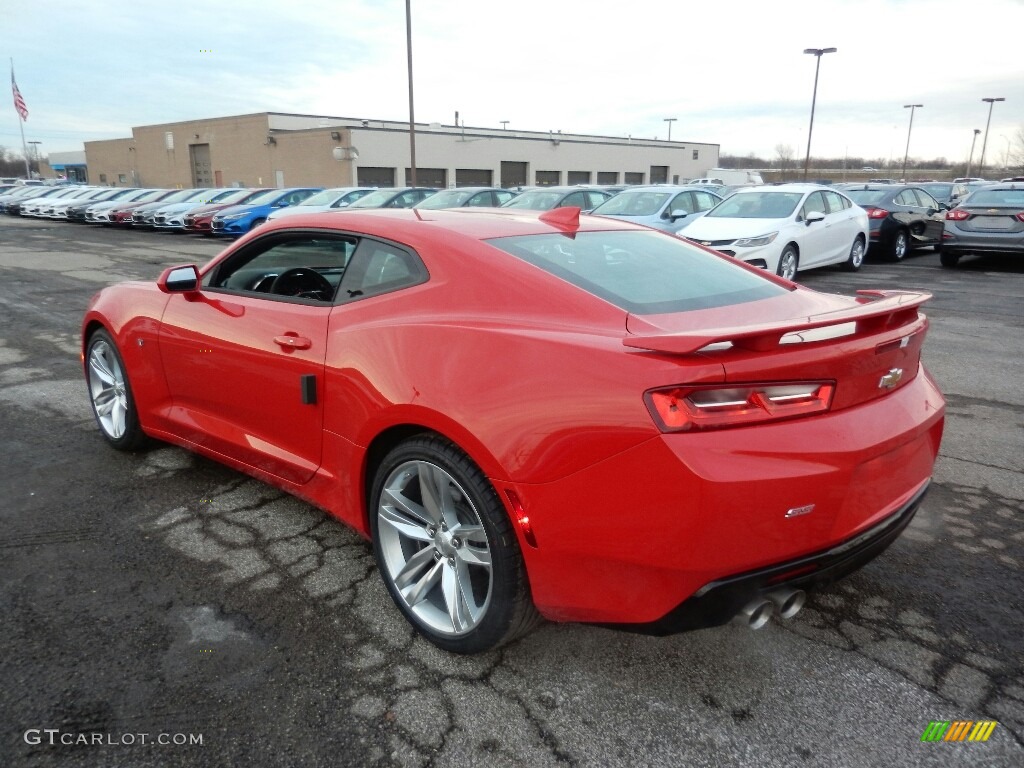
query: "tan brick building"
277, 150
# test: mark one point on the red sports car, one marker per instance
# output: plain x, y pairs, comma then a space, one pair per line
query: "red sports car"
537, 415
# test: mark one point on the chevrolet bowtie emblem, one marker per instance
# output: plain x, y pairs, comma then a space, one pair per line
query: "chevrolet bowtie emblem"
891, 379
705, 242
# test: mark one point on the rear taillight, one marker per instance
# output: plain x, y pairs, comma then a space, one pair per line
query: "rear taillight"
681, 409
877, 213
957, 215
1019, 216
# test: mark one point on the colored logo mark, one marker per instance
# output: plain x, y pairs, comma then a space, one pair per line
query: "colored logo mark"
959, 730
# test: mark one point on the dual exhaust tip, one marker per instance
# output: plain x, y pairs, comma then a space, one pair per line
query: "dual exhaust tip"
759, 611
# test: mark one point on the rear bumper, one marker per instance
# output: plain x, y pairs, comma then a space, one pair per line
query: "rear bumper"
630, 539
957, 241
719, 601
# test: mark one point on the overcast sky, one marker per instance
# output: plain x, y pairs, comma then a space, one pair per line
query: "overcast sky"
731, 73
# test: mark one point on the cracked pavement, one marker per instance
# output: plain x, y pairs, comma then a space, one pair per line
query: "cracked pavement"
159, 591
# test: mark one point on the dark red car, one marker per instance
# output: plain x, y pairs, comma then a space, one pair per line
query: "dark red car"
122, 215
537, 415
198, 220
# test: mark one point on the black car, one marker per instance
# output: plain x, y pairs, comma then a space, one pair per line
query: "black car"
990, 220
901, 216
946, 192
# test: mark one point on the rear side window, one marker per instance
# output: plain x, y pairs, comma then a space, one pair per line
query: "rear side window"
641, 272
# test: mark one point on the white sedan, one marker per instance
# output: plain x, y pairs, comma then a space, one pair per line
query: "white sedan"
786, 228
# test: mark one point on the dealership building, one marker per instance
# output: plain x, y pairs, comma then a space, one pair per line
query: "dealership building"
272, 149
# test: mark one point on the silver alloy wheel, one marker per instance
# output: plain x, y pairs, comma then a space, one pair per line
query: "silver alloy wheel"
107, 390
434, 548
899, 246
857, 254
788, 264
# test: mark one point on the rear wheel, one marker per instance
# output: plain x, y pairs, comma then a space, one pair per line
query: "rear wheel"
111, 394
446, 549
900, 246
789, 262
950, 260
856, 257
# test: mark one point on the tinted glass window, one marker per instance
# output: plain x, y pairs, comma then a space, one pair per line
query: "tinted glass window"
835, 202
574, 199
641, 272
925, 200
312, 267
633, 202
594, 199
998, 197
379, 267
867, 196
906, 197
681, 202
815, 204
705, 200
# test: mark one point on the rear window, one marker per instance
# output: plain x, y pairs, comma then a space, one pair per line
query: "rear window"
867, 196
1010, 198
644, 272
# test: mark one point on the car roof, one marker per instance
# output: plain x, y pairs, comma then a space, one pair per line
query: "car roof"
473, 223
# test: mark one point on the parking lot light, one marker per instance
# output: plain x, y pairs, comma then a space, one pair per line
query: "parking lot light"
911, 107
817, 53
984, 142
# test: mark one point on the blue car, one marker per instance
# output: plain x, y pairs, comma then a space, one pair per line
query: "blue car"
239, 219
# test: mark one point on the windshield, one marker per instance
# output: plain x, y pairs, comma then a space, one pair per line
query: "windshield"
326, 197
938, 190
634, 203
757, 205
447, 198
866, 196
375, 199
537, 200
265, 198
998, 198
642, 272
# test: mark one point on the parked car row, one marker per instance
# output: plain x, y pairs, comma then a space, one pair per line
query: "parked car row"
783, 228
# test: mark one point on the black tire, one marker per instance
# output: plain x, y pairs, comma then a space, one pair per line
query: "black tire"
789, 260
950, 260
256, 223
507, 611
108, 384
899, 246
856, 258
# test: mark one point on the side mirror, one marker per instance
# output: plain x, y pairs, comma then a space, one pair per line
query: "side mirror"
183, 278
814, 216
679, 213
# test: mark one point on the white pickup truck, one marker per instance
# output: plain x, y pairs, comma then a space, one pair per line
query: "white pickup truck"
730, 176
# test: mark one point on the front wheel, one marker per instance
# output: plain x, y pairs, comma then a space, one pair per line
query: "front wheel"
110, 394
789, 262
446, 549
856, 257
256, 223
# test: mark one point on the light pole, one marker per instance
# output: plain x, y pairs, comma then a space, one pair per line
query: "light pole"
817, 53
970, 157
670, 120
35, 154
911, 107
984, 142
412, 116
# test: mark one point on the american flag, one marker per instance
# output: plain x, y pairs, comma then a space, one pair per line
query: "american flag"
19, 102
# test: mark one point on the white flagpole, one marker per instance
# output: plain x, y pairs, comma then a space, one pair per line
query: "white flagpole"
21, 125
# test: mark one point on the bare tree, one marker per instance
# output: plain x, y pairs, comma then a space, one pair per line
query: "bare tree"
785, 153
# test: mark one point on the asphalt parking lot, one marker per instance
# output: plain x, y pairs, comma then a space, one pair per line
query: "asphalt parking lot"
161, 594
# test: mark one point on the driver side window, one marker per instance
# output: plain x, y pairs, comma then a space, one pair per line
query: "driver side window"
308, 267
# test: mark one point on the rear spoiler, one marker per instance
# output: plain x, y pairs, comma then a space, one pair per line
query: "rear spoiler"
877, 311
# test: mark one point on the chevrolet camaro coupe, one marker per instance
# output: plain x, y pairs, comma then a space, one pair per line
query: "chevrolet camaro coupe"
537, 414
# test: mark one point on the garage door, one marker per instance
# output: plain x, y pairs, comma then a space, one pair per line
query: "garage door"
473, 177
368, 176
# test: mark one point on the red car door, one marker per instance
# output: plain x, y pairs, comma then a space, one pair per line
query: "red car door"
245, 367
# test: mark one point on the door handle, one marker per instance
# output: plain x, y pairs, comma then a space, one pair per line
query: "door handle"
293, 342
